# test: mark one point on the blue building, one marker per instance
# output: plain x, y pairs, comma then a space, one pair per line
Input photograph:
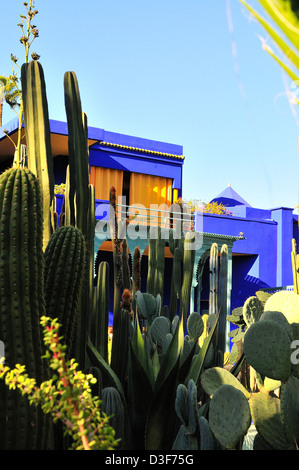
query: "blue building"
148, 173
262, 260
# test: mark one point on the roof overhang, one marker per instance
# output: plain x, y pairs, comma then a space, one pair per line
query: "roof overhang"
59, 138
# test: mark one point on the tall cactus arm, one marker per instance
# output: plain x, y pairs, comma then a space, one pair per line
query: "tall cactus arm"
37, 127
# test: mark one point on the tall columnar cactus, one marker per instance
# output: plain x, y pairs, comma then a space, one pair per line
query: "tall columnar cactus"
117, 256
188, 265
295, 266
213, 298
146, 385
80, 203
65, 265
112, 406
222, 299
126, 267
152, 247
176, 282
22, 303
100, 314
160, 265
136, 271
78, 153
40, 159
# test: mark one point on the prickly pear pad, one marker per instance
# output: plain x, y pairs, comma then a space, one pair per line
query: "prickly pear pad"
267, 348
214, 377
229, 415
285, 302
289, 404
252, 310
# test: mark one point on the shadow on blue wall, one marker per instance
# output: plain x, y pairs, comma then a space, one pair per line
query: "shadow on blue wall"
244, 284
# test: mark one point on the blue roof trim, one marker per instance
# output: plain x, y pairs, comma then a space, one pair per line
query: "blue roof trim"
98, 134
139, 142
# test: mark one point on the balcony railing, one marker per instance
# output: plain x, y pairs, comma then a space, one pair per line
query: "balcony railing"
163, 217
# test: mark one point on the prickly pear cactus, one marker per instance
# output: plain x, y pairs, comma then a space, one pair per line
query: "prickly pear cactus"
289, 404
207, 439
214, 377
229, 416
160, 327
195, 325
252, 310
149, 307
285, 302
279, 318
267, 348
266, 414
187, 411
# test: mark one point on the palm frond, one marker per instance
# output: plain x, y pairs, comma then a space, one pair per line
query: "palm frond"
288, 25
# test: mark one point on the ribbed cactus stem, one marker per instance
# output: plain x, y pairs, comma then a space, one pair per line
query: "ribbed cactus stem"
78, 153
213, 298
176, 282
126, 266
21, 303
160, 265
150, 285
188, 265
101, 311
136, 270
116, 247
38, 137
222, 299
295, 266
120, 344
65, 265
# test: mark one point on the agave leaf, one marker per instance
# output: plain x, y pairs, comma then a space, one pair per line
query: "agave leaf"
109, 377
139, 396
162, 421
139, 348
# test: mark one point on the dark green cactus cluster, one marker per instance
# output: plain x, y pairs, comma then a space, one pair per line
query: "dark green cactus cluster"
47, 266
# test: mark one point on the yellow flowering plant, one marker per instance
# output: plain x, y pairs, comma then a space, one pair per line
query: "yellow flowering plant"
66, 396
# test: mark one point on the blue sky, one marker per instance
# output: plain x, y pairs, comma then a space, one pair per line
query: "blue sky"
165, 70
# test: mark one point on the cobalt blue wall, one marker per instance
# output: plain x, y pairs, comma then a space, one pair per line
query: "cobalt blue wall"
260, 240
